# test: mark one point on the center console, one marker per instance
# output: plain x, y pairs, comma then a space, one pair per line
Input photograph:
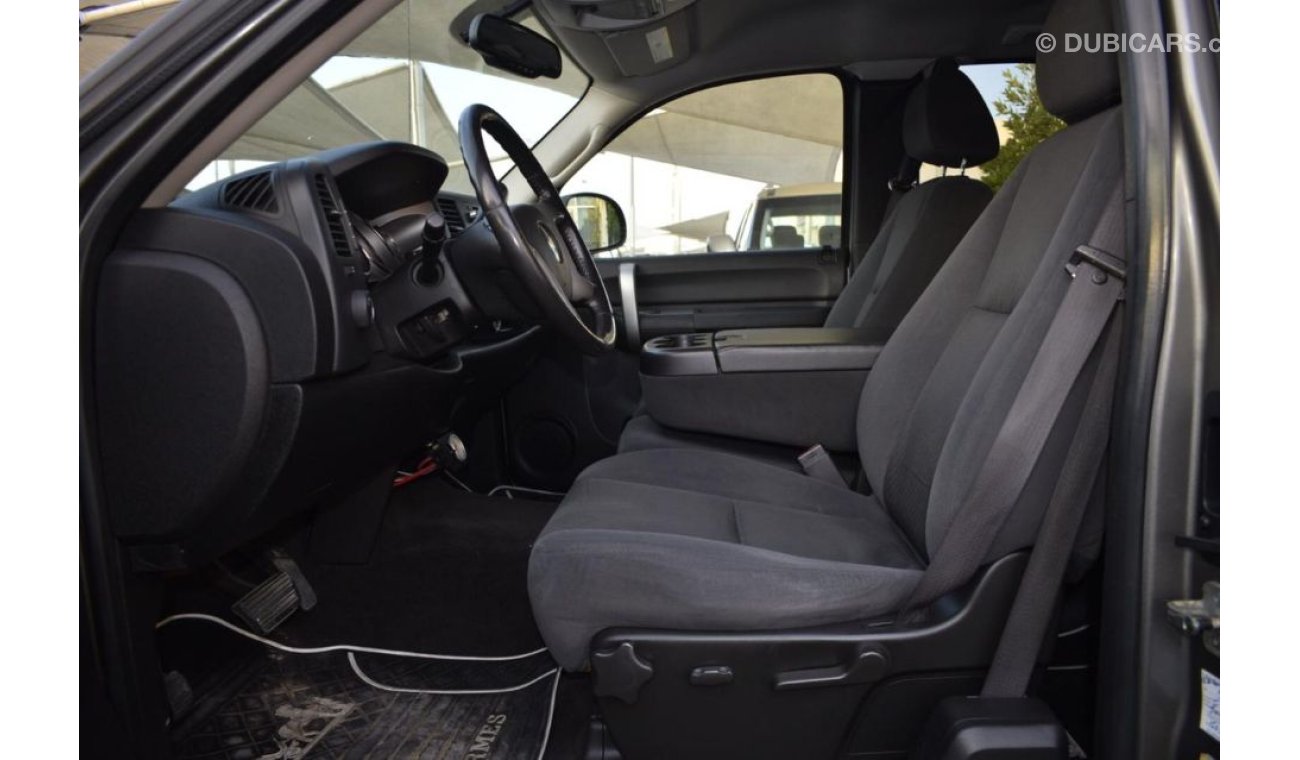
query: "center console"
793, 386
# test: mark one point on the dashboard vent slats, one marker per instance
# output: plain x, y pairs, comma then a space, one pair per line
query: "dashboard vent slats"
254, 192
338, 231
451, 214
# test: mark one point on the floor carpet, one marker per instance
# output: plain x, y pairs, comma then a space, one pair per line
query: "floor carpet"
448, 575
289, 706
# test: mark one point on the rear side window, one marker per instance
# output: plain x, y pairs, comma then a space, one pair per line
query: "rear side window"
747, 166
800, 221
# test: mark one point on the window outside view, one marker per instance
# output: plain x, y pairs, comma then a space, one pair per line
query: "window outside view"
406, 78
758, 165
748, 166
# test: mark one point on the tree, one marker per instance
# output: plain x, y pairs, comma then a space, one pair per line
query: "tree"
1026, 120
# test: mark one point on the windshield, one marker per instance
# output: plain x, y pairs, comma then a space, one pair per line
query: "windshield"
406, 78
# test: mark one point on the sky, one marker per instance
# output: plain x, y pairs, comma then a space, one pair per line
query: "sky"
988, 80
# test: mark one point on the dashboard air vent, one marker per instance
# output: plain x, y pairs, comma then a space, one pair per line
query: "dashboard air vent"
254, 192
334, 219
451, 214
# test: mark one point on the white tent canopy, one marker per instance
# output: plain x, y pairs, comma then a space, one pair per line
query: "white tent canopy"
748, 130
743, 130
701, 228
310, 119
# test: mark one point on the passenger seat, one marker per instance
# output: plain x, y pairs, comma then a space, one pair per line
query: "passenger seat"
945, 123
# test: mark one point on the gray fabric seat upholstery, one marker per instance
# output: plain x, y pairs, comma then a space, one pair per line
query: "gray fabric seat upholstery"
689, 539
945, 123
642, 433
701, 540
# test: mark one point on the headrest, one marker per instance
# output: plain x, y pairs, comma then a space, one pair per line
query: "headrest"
946, 121
786, 236
1076, 85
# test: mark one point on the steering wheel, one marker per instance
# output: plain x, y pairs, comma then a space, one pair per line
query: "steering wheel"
539, 239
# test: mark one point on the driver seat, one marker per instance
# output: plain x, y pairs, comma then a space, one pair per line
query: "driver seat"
700, 540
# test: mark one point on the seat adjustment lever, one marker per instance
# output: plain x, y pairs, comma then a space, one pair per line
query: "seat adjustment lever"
870, 665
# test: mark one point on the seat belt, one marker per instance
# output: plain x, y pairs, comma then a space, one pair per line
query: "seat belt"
1096, 287
817, 463
1031, 612
903, 182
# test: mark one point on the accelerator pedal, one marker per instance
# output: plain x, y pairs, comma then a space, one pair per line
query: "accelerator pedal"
275, 599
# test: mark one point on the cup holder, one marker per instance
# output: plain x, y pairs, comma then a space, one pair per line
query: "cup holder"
682, 354
681, 342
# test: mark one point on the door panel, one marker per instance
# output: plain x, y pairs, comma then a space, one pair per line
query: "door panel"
721, 291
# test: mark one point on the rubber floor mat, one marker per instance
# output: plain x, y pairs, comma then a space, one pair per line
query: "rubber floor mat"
290, 706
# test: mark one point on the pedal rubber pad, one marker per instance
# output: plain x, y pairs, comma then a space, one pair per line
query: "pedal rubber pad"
275, 599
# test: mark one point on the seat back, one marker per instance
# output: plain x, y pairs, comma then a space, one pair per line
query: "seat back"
946, 123
943, 385
786, 236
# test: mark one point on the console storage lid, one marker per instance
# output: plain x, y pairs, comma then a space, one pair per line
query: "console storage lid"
794, 349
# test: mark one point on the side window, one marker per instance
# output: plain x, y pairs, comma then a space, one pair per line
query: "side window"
748, 166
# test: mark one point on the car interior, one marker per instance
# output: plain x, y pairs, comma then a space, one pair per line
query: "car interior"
407, 443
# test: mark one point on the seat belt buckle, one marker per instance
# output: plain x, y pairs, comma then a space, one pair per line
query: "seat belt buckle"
1111, 265
816, 463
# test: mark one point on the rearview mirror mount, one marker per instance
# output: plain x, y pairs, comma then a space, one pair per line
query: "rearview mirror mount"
513, 47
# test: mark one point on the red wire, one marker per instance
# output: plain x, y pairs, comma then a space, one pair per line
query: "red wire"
426, 466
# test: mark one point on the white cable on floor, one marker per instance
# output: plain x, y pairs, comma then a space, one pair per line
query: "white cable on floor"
458, 482
1072, 631
341, 647
521, 489
352, 660
550, 716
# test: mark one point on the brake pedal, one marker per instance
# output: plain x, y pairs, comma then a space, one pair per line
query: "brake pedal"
275, 599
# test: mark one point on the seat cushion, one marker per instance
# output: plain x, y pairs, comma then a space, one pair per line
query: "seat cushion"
704, 540
642, 433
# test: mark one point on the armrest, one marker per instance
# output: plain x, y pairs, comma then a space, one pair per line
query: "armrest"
793, 386
781, 349
795, 349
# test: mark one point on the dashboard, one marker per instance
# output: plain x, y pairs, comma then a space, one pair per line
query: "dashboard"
275, 341
361, 211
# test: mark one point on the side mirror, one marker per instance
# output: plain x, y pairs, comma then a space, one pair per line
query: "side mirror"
599, 219
515, 48
720, 244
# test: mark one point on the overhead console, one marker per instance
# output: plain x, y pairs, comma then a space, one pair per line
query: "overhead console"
642, 36
784, 385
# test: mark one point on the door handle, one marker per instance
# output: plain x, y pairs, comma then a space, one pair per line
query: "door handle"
870, 665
